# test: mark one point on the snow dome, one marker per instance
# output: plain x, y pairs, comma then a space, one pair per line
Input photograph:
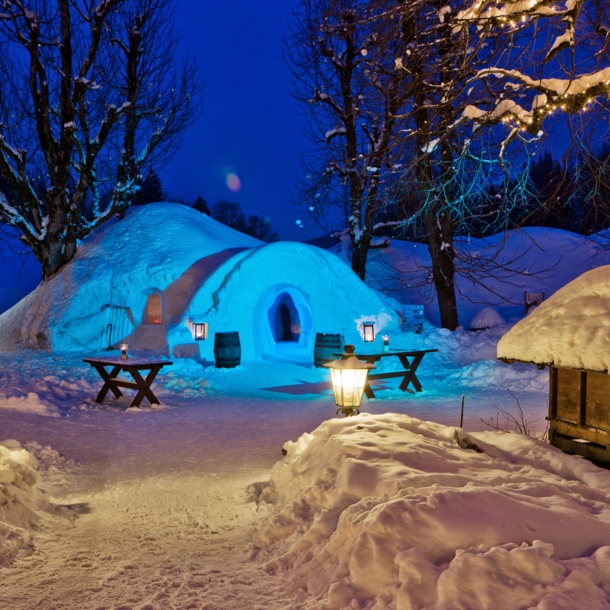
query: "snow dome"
146, 279
571, 329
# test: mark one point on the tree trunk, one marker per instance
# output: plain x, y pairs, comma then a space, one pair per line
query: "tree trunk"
440, 245
360, 250
54, 255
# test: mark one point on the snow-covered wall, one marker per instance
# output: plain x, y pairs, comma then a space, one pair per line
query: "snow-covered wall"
571, 329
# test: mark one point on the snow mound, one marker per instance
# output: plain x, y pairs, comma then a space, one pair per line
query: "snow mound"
570, 329
491, 373
111, 277
389, 511
486, 318
17, 491
23, 506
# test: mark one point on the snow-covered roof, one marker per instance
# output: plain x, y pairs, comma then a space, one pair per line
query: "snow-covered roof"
571, 329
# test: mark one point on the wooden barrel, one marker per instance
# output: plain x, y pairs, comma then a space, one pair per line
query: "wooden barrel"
227, 350
325, 346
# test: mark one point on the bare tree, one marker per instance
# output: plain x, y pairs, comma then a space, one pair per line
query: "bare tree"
90, 91
229, 213
261, 228
346, 79
438, 80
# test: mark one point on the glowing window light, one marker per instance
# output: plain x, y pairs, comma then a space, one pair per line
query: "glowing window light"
369, 331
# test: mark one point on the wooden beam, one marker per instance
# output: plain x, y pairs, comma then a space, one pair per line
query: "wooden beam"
582, 403
552, 392
587, 433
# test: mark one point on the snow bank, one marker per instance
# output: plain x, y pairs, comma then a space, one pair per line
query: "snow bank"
393, 512
22, 505
544, 259
486, 373
17, 508
570, 329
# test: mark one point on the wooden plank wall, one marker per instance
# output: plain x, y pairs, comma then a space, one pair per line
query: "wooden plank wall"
579, 408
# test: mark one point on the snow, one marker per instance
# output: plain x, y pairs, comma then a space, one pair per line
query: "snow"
172, 506
535, 259
570, 329
200, 270
23, 507
486, 318
389, 511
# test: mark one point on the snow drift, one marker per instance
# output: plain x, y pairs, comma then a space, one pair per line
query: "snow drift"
389, 511
571, 329
143, 280
22, 504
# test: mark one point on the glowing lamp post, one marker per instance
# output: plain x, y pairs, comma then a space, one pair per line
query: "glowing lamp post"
369, 331
200, 331
348, 377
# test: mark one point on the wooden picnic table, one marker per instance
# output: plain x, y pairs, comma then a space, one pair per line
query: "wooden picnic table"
408, 374
133, 366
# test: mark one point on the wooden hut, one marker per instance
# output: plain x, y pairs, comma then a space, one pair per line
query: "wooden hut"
570, 333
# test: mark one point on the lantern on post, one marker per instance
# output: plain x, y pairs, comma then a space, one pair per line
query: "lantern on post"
348, 376
369, 331
200, 331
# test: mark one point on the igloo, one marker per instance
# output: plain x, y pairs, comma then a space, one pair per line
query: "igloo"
147, 279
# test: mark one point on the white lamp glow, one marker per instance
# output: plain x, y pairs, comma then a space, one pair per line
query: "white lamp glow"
348, 377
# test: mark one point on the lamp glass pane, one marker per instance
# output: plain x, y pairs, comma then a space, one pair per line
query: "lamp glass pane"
369, 332
348, 386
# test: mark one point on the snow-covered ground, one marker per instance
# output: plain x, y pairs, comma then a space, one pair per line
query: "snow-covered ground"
162, 509
190, 504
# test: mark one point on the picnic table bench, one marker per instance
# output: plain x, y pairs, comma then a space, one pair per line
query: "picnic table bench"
133, 366
408, 374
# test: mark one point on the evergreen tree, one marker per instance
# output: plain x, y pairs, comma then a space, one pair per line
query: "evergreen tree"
151, 189
201, 205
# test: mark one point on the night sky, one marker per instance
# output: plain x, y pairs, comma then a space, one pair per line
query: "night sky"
251, 127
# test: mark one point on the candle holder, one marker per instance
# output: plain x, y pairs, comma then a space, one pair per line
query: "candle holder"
124, 351
386, 343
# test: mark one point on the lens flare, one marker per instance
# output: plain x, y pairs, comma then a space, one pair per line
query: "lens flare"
233, 182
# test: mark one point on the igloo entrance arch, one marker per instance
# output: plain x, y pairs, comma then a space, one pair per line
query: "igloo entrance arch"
284, 323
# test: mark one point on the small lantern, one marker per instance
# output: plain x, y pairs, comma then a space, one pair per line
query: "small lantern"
386, 343
369, 331
200, 331
124, 351
348, 377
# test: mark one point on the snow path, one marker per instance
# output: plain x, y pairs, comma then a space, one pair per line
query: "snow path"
162, 542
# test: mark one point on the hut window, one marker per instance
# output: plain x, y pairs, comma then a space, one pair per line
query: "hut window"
153, 314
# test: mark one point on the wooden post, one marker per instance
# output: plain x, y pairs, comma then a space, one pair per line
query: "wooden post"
552, 392
462, 413
582, 402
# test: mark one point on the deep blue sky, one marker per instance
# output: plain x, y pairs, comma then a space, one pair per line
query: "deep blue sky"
251, 125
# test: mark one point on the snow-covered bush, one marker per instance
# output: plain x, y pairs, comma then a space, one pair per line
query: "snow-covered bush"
389, 511
486, 318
